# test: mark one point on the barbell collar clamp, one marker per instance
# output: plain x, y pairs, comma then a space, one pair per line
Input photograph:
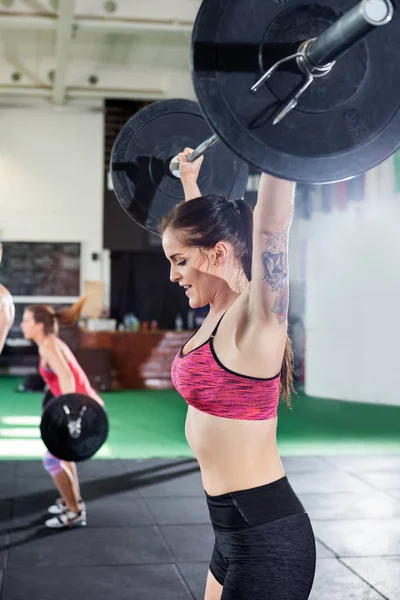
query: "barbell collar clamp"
310, 71
348, 30
316, 57
74, 427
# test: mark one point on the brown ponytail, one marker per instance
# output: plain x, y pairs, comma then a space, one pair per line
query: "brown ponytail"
287, 386
43, 313
70, 316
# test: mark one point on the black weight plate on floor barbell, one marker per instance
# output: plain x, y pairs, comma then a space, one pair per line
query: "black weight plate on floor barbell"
143, 149
55, 433
344, 124
47, 398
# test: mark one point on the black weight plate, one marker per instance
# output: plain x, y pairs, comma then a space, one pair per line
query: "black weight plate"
143, 149
55, 433
47, 398
345, 123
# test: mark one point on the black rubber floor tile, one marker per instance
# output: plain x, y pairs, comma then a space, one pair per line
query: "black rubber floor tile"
124, 510
195, 575
356, 464
108, 487
4, 539
175, 485
7, 489
351, 505
179, 511
301, 464
28, 521
33, 495
98, 469
31, 468
323, 551
143, 482
360, 538
87, 547
154, 465
385, 481
328, 482
382, 573
28, 486
5, 512
190, 543
334, 581
150, 582
7, 469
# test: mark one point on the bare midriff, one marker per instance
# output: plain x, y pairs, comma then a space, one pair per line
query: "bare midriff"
233, 454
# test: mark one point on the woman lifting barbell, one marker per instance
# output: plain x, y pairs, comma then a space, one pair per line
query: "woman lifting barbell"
63, 375
231, 373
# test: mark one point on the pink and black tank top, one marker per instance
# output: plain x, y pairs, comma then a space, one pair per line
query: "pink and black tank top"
81, 381
205, 383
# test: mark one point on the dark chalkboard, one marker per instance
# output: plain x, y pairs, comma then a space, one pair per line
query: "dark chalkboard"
41, 268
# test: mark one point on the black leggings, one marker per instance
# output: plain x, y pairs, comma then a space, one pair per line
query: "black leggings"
264, 544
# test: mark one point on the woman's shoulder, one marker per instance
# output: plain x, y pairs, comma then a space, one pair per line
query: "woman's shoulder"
52, 343
53, 347
4, 291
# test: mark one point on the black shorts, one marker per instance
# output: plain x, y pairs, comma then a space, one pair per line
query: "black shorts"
264, 544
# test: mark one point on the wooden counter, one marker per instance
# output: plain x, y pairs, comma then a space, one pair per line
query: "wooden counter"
140, 360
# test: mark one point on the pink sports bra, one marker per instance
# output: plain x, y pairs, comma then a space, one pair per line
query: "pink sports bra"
203, 381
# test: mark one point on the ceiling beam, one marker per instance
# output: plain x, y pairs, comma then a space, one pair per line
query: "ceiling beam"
123, 26
27, 22
73, 93
63, 45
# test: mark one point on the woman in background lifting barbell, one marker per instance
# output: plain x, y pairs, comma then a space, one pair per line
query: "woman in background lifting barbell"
231, 373
63, 375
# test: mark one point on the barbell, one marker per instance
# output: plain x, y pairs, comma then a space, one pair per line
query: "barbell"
142, 170
306, 92
73, 426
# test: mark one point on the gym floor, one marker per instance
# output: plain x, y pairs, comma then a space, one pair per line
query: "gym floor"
148, 533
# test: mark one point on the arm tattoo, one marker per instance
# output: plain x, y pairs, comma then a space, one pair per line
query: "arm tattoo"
274, 258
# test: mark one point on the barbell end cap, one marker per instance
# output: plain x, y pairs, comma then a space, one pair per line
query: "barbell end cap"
174, 167
377, 12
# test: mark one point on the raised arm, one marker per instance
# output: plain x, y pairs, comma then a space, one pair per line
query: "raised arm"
269, 287
189, 172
